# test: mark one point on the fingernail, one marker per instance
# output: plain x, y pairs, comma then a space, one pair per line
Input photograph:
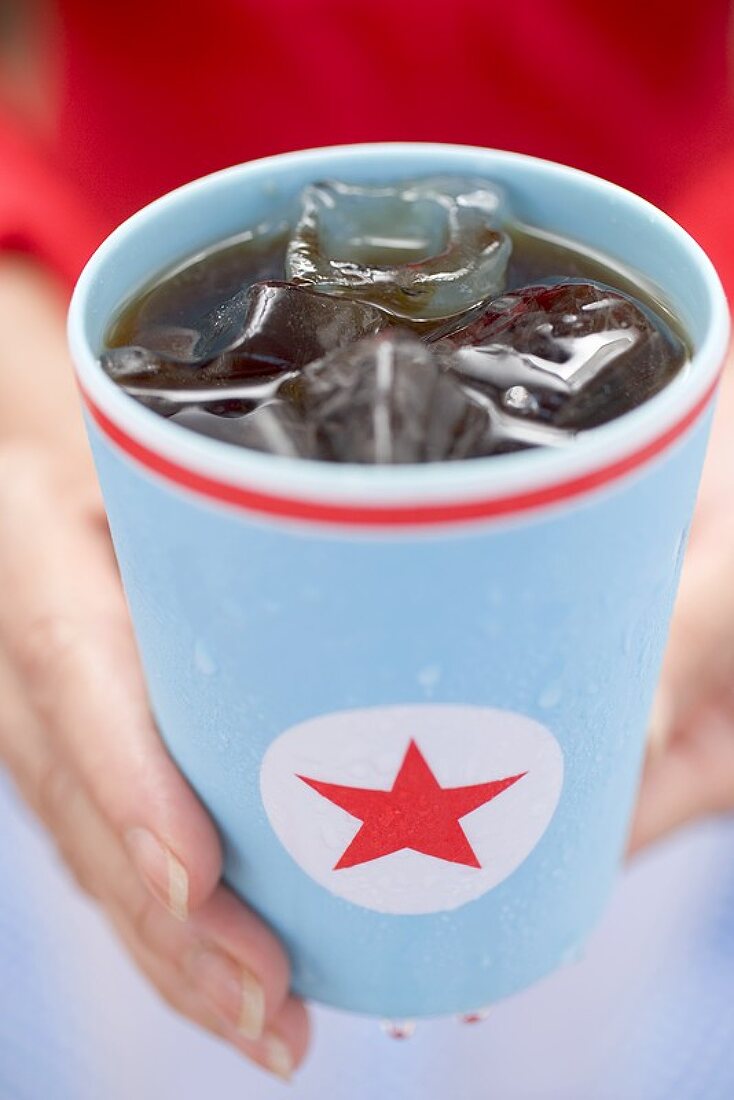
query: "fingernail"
277, 1056
232, 990
164, 874
660, 724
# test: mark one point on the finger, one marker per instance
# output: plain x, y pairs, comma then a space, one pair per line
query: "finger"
699, 661
40, 776
229, 923
693, 777
700, 654
689, 769
66, 628
62, 668
285, 1042
717, 482
23, 748
242, 984
281, 1047
226, 953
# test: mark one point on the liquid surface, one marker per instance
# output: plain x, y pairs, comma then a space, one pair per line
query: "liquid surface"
350, 338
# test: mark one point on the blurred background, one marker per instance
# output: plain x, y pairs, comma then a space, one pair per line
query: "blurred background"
105, 106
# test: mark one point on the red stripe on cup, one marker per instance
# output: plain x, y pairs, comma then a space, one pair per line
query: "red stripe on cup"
392, 515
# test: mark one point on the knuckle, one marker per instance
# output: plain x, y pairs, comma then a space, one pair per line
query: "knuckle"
43, 651
156, 931
54, 796
163, 979
24, 471
32, 476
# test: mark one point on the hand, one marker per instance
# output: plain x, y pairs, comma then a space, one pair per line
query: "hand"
75, 729
77, 735
690, 767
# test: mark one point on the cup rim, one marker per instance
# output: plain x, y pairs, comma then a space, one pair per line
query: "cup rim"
427, 494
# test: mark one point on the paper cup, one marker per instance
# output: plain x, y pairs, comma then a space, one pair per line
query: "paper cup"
414, 700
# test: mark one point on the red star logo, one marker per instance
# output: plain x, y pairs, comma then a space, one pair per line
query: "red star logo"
417, 813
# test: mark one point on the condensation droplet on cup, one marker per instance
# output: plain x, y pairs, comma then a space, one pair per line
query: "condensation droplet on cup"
495, 595
428, 678
398, 1029
550, 697
476, 1017
572, 955
311, 594
203, 661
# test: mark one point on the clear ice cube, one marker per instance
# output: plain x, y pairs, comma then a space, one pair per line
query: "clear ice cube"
582, 353
508, 432
275, 427
267, 330
422, 250
388, 399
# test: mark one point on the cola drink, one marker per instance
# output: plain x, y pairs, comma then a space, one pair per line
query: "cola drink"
403, 323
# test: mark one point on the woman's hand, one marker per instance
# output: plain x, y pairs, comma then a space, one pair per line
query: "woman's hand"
76, 731
690, 766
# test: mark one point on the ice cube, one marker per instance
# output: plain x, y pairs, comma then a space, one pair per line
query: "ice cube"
264, 332
275, 426
421, 250
293, 325
221, 328
584, 352
167, 386
508, 432
215, 331
135, 362
177, 341
185, 307
388, 399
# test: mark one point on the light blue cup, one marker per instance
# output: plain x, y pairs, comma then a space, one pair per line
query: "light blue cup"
413, 699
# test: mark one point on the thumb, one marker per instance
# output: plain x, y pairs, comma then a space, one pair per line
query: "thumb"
699, 663
690, 766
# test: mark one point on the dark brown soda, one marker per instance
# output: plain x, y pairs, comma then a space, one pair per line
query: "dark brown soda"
391, 327
185, 293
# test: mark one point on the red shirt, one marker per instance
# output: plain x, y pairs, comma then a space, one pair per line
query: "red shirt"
154, 92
